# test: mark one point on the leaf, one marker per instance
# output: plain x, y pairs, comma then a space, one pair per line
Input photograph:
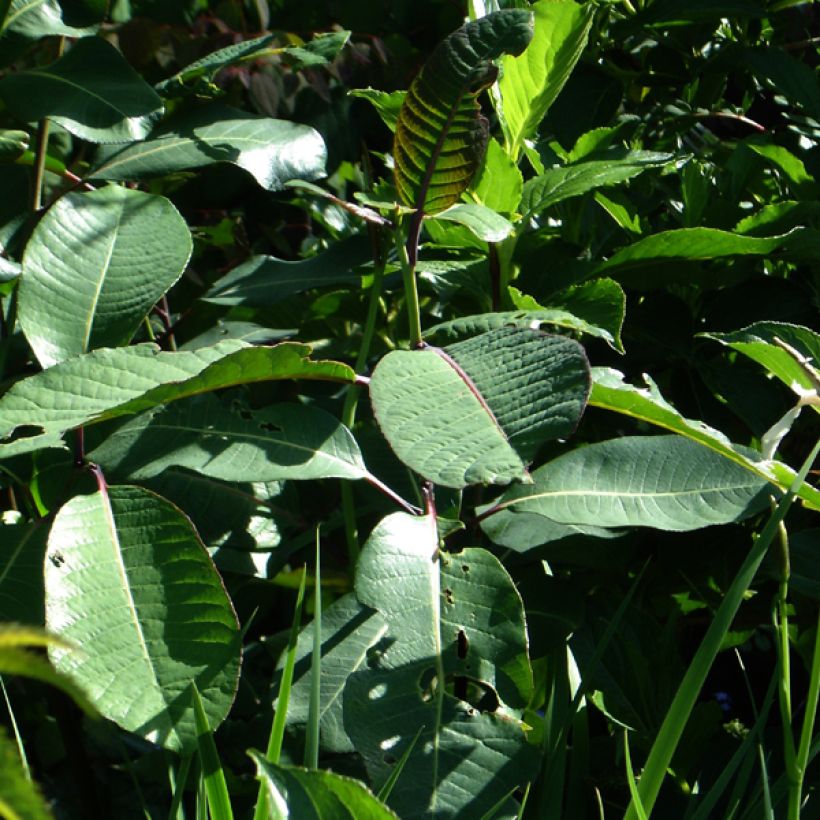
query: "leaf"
12, 144
349, 629
128, 580
32, 19
530, 83
309, 794
611, 392
265, 280
522, 531
768, 344
455, 617
94, 267
91, 91
279, 441
499, 183
484, 223
22, 551
792, 78
108, 383
477, 411
666, 482
317, 52
20, 796
387, 104
695, 244
271, 151
440, 134
558, 184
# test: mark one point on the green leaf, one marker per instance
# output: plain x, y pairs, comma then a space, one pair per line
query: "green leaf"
108, 383
666, 482
482, 222
32, 19
279, 441
128, 580
477, 411
271, 151
386, 104
94, 267
695, 244
349, 629
308, 794
499, 183
20, 797
440, 134
22, 551
566, 182
265, 280
91, 91
792, 78
455, 617
522, 531
317, 52
530, 83
768, 344
611, 392
788, 164
216, 789
13, 144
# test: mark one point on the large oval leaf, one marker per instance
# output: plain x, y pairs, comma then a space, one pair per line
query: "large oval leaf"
456, 617
93, 268
667, 482
477, 411
128, 580
440, 134
91, 91
271, 151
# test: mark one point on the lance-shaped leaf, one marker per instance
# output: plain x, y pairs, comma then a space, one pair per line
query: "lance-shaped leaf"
667, 482
107, 383
272, 151
128, 580
452, 668
92, 92
477, 411
32, 19
440, 134
280, 441
313, 794
95, 265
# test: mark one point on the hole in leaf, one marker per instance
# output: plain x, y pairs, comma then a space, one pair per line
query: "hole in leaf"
462, 644
270, 427
465, 568
389, 760
428, 682
476, 693
448, 596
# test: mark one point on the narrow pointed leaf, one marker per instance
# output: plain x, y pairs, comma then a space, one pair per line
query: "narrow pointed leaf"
280, 441
440, 134
20, 796
271, 151
94, 267
667, 482
477, 411
92, 92
530, 82
307, 794
387, 105
128, 581
108, 383
459, 615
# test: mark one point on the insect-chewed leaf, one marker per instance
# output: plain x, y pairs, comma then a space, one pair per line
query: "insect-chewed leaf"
440, 134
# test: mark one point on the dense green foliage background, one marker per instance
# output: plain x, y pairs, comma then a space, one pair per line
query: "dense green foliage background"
517, 565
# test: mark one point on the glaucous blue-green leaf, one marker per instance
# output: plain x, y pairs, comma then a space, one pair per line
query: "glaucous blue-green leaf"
279, 441
452, 665
94, 267
522, 531
349, 629
316, 52
265, 280
271, 151
789, 352
22, 549
91, 91
565, 182
295, 793
440, 133
529, 83
19, 795
477, 411
387, 104
107, 383
32, 19
666, 482
484, 223
611, 392
128, 580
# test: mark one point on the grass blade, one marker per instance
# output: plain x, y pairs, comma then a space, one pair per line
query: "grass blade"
216, 789
178, 782
385, 790
277, 731
312, 742
660, 755
630, 779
